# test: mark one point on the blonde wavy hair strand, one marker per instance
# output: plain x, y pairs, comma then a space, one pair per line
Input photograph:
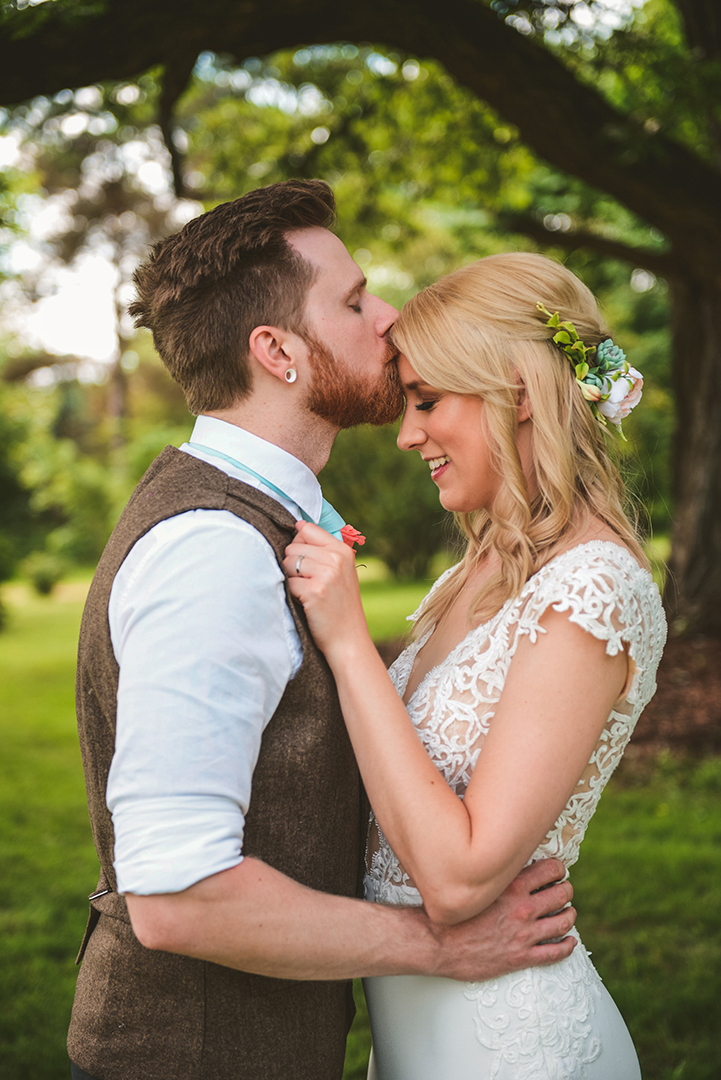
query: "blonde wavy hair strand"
478, 331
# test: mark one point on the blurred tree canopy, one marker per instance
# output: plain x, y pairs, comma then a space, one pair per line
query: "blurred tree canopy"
591, 129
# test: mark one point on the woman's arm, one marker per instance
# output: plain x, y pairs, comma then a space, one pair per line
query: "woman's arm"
557, 697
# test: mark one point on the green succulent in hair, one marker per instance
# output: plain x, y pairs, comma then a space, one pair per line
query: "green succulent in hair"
598, 368
567, 339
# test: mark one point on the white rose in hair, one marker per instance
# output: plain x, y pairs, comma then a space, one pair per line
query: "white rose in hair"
624, 393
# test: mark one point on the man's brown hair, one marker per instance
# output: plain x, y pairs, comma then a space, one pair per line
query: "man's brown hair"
205, 289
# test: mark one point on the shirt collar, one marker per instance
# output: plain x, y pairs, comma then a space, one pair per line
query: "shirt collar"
282, 469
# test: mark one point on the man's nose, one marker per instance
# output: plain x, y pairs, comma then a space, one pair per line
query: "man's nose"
385, 316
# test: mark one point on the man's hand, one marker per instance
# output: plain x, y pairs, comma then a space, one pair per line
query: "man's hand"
514, 932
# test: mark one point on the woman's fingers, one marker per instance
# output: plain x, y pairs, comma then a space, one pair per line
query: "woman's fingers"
328, 553
308, 533
295, 555
321, 574
312, 540
307, 560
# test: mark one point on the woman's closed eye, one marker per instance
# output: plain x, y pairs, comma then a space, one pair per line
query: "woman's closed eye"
426, 406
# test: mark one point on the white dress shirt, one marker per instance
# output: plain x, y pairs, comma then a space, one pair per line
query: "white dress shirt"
206, 646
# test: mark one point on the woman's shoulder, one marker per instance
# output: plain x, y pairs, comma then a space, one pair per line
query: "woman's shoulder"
594, 571
601, 586
598, 553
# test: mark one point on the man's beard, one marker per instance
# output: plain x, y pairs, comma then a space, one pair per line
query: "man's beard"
344, 400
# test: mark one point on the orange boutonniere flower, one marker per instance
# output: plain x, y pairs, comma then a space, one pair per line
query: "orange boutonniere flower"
351, 536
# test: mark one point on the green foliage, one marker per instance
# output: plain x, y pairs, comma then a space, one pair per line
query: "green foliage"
15, 501
358, 117
643, 60
22, 18
44, 570
76, 493
666, 82
17, 524
63, 477
414, 204
359, 1038
389, 496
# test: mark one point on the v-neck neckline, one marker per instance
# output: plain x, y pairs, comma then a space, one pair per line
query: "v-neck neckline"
501, 611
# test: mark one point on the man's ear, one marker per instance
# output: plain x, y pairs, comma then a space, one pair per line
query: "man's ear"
272, 348
523, 402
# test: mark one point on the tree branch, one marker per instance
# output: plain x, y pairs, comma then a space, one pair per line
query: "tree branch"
565, 121
18, 370
656, 261
175, 80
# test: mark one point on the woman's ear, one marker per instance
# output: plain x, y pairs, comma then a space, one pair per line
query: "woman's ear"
524, 408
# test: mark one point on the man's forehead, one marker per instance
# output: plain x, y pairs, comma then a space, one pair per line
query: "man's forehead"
328, 255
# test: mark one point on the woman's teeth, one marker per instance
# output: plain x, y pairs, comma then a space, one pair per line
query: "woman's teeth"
435, 463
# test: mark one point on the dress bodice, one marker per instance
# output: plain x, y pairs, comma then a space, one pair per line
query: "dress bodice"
604, 590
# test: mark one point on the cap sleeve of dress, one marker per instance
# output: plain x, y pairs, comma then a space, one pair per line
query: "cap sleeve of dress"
604, 591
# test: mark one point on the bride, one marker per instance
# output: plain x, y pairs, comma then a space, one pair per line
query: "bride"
490, 744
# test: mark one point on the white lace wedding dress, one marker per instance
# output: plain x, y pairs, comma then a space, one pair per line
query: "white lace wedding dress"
550, 1023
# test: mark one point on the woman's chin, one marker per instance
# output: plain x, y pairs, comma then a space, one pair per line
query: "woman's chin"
454, 505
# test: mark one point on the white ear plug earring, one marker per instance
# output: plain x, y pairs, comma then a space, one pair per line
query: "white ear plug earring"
291, 375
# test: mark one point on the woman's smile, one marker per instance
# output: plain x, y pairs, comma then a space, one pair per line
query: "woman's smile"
449, 432
438, 466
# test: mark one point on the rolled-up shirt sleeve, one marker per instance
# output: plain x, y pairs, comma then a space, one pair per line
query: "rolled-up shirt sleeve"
206, 647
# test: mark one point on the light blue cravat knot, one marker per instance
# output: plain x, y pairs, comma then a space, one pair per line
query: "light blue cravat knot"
330, 519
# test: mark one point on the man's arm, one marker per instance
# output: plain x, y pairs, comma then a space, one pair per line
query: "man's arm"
253, 918
198, 618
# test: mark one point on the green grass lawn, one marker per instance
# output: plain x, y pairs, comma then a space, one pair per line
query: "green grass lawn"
648, 886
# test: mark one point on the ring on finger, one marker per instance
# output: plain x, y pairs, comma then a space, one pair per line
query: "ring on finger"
298, 561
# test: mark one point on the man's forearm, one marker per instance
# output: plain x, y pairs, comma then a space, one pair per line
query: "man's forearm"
255, 919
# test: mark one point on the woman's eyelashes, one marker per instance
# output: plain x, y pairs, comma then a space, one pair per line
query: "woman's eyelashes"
426, 406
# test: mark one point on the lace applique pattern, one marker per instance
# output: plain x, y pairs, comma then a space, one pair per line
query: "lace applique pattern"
556, 1007
536, 1019
386, 881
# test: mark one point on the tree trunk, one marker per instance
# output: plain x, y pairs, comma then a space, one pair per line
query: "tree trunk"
693, 593
117, 404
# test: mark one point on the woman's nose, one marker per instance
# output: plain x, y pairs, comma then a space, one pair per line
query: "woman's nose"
411, 435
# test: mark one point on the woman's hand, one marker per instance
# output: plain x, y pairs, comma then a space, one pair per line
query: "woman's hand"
322, 575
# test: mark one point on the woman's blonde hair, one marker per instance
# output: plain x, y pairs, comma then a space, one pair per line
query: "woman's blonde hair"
478, 331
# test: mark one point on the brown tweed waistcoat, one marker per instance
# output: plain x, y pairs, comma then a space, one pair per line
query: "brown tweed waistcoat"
144, 1015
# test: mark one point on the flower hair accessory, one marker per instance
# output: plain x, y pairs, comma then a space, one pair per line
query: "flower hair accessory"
608, 382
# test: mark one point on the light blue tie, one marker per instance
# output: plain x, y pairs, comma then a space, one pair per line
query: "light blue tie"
330, 519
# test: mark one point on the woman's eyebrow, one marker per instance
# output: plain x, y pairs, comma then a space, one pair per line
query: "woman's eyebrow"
417, 385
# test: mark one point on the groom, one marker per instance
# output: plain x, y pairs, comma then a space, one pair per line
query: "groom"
223, 794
